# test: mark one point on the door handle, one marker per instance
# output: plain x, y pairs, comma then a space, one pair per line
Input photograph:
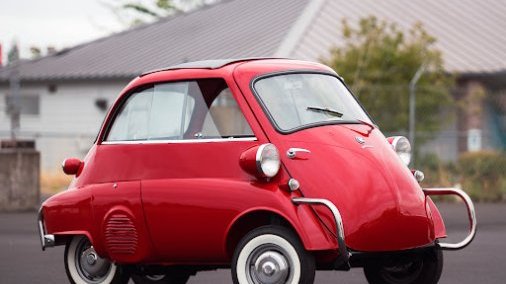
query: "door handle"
292, 152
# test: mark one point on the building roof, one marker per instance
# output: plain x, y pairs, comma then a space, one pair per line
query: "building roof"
230, 29
469, 33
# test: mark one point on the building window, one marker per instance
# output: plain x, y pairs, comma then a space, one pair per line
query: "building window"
29, 104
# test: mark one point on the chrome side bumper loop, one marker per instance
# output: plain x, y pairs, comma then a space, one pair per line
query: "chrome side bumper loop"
470, 212
343, 250
45, 240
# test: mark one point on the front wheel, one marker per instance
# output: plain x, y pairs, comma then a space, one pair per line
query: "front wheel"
84, 266
274, 255
412, 268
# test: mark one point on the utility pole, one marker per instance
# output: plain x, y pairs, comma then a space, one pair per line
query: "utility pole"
412, 104
14, 86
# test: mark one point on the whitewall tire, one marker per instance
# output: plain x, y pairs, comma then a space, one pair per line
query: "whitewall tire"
272, 255
84, 266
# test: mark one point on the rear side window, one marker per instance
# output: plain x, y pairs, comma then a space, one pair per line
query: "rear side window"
158, 113
202, 109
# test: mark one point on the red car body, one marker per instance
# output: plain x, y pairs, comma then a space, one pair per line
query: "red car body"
190, 202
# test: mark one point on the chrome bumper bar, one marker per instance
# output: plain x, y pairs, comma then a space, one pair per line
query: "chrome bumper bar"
343, 250
470, 212
45, 239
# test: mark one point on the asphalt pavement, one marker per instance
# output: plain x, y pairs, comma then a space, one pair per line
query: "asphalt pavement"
484, 261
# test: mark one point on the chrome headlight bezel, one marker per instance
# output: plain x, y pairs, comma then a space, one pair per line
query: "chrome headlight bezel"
268, 160
402, 147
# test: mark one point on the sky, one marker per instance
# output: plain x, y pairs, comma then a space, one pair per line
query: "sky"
58, 23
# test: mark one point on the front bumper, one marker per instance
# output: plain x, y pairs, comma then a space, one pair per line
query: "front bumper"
46, 240
344, 253
470, 212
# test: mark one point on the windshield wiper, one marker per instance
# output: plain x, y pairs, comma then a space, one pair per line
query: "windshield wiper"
325, 110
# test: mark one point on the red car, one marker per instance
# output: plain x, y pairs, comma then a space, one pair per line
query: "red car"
269, 167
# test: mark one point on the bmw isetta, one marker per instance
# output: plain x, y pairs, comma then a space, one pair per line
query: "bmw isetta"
269, 167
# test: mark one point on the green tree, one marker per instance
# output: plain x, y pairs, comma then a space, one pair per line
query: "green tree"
35, 51
13, 54
134, 12
378, 60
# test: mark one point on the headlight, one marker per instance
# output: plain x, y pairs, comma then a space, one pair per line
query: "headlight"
402, 147
261, 161
267, 160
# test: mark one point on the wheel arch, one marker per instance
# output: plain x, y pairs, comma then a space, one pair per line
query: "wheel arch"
61, 238
250, 220
302, 222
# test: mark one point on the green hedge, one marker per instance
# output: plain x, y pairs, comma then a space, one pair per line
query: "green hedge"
481, 174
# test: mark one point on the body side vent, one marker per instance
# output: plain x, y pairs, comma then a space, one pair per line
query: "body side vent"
120, 234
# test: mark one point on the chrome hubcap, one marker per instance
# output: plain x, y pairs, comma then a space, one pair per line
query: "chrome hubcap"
91, 267
270, 267
91, 258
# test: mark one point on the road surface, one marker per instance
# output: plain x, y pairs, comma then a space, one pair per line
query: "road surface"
484, 261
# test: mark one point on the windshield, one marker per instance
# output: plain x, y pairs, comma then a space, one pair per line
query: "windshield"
297, 100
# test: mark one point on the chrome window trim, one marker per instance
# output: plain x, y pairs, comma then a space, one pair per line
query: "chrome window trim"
178, 141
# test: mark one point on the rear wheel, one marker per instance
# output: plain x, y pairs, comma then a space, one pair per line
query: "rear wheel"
272, 255
84, 266
415, 268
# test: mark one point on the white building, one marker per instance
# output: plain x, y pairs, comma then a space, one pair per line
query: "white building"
64, 96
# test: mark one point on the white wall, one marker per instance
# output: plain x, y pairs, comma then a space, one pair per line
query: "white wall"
68, 119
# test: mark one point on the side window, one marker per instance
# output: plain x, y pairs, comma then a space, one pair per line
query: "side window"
225, 119
201, 109
171, 111
158, 113
132, 120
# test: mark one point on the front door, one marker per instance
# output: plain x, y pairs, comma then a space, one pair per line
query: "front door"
331, 147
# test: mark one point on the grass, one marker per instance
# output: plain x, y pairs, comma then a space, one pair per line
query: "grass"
53, 182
